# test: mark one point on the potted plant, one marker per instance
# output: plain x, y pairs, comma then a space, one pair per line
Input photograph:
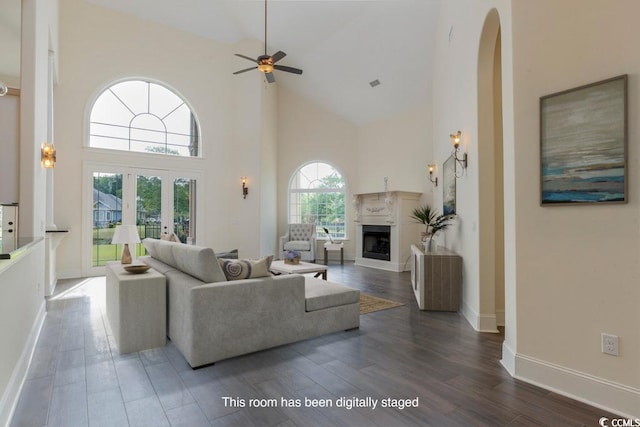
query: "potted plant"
292, 257
433, 222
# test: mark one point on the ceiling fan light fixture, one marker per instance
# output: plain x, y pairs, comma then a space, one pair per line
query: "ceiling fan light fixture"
265, 64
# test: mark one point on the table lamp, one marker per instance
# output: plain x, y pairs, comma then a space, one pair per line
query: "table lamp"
125, 234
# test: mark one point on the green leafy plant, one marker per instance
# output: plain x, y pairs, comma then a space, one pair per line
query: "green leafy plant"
432, 220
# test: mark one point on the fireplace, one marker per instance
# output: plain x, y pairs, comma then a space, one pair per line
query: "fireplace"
384, 229
376, 242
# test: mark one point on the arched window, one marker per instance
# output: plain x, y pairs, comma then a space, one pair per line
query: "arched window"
316, 194
142, 116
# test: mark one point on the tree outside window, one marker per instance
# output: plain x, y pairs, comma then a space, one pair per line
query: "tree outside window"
317, 195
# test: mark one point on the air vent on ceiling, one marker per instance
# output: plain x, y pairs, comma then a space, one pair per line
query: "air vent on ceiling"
374, 83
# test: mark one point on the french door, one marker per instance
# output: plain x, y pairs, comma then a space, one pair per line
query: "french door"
156, 201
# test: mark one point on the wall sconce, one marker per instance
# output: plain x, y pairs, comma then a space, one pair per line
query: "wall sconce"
48, 155
245, 189
3, 89
432, 168
455, 140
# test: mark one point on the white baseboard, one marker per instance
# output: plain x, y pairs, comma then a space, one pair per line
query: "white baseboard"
500, 318
508, 360
69, 274
480, 322
14, 387
607, 395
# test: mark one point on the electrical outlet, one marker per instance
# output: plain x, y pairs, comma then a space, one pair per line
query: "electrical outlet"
610, 344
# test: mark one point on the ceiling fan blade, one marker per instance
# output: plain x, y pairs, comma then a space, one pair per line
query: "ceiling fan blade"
245, 57
288, 69
278, 56
270, 77
245, 70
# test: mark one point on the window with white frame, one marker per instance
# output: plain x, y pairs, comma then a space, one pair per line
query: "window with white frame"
143, 116
317, 195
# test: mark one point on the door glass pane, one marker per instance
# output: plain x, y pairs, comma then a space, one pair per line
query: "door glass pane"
148, 208
107, 213
184, 209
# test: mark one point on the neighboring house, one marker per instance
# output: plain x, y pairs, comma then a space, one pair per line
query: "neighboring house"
107, 209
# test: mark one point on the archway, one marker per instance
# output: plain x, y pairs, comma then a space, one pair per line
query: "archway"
490, 176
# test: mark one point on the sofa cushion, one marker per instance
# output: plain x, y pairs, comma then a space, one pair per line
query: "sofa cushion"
199, 262
297, 245
320, 294
236, 269
160, 250
196, 261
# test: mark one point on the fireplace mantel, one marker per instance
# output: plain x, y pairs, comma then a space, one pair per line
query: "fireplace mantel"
391, 208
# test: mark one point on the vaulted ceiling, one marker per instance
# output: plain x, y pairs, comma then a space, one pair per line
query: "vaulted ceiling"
342, 45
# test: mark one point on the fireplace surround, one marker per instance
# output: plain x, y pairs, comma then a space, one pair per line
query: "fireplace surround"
385, 230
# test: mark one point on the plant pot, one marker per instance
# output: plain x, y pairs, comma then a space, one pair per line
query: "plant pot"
429, 245
294, 261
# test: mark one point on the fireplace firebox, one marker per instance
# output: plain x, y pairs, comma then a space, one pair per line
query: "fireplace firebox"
376, 242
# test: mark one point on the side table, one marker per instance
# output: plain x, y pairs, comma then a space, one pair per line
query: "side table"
329, 246
136, 308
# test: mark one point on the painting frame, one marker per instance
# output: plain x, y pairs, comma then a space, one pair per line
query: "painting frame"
449, 186
583, 144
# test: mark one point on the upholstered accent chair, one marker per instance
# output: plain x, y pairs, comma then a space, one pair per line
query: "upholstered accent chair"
300, 238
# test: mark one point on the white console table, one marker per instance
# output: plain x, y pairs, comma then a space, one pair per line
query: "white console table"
436, 279
136, 308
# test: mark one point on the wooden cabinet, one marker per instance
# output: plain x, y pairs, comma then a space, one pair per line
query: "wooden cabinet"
436, 278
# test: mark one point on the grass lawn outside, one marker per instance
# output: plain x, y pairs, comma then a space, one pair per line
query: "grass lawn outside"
102, 254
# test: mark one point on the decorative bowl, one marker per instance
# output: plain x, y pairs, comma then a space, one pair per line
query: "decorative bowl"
136, 269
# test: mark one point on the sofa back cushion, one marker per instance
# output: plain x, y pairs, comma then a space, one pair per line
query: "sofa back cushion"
196, 261
160, 250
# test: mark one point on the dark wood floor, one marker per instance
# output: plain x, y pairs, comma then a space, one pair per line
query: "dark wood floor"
77, 378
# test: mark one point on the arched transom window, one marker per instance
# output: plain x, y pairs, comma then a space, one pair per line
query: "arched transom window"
316, 194
142, 116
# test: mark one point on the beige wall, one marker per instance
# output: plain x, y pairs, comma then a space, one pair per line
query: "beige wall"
309, 133
577, 266
571, 273
100, 46
398, 148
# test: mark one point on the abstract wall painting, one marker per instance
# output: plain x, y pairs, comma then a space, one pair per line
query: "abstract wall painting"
449, 186
583, 142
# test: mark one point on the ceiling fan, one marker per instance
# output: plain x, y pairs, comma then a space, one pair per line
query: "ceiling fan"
267, 63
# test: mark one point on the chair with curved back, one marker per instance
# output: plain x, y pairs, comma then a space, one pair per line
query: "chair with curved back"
300, 238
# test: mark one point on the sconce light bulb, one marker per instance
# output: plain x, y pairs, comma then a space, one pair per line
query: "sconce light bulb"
245, 189
48, 155
455, 139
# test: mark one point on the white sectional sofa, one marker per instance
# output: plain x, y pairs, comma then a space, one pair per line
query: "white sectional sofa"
210, 318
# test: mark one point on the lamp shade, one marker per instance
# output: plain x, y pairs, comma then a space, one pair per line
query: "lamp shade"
126, 234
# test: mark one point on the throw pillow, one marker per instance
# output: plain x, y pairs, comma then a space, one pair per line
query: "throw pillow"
237, 269
171, 237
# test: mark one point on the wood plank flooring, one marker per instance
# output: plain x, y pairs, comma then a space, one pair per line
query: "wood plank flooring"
77, 377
